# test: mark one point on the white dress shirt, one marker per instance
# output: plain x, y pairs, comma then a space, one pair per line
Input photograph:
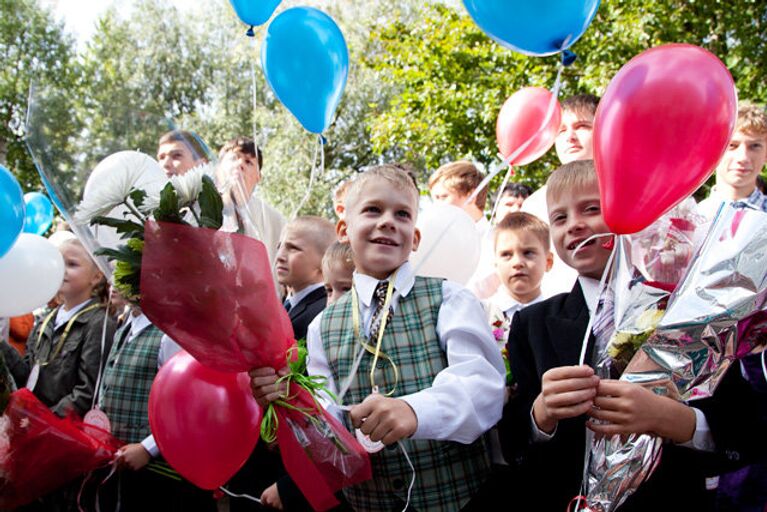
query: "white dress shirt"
465, 398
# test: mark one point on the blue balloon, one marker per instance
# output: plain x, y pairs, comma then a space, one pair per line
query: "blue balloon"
39, 213
533, 27
11, 210
306, 63
254, 12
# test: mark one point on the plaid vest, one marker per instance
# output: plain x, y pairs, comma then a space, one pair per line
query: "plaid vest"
127, 379
448, 474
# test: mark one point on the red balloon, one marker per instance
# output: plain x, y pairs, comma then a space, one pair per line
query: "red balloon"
660, 129
206, 423
522, 119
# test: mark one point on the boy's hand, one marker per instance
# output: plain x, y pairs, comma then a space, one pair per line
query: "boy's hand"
566, 392
263, 383
133, 456
271, 497
384, 419
630, 408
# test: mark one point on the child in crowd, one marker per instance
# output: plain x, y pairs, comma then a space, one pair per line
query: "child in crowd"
450, 385
543, 427
128, 375
337, 270
512, 198
180, 150
299, 268
522, 258
238, 173
741, 164
65, 350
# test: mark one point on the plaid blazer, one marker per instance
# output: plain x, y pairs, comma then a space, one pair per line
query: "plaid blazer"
127, 379
448, 474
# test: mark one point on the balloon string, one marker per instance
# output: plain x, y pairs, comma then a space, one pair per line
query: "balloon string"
312, 175
255, 97
600, 289
246, 496
499, 196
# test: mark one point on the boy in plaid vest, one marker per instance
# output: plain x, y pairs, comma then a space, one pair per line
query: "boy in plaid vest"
429, 379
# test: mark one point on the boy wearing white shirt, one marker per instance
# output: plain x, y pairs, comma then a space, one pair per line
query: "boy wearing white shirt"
436, 383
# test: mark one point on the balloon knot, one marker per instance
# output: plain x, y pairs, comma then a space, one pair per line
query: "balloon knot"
568, 57
323, 140
250, 32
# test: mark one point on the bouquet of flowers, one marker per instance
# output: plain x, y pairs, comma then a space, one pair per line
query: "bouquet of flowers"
715, 314
212, 292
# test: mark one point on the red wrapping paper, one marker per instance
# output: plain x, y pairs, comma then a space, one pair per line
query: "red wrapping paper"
40, 452
212, 292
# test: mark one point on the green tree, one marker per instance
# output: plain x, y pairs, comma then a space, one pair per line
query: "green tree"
34, 50
452, 79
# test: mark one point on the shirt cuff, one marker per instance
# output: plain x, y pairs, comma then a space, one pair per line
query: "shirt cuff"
419, 402
150, 446
702, 439
538, 435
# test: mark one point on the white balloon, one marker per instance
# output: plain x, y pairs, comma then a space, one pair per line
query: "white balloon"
31, 273
450, 244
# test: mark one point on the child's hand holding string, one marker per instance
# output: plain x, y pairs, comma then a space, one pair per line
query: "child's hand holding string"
263, 383
384, 419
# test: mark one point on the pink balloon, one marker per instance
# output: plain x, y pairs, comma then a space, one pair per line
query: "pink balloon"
206, 423
660, 129
522, 119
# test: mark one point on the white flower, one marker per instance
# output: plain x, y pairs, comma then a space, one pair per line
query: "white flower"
113, 179
189, 185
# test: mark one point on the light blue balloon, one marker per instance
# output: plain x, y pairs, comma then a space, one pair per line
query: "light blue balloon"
254, 12
306, 63
11, 210
533, 27
39, 213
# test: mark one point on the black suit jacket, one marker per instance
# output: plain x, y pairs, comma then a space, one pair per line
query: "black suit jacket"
302, 314
548, 475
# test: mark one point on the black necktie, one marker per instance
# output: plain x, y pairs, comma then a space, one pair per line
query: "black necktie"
380, 298
288, 305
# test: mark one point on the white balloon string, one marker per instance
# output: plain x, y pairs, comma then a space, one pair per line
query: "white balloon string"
412, 480
255, 96
585, 342
312, 176
499, 195
233, 495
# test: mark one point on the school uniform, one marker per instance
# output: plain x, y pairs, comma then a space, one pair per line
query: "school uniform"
304, 306
67, 347
450, 373
549, 469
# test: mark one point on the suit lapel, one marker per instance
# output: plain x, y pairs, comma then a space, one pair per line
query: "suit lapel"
567, 327
299, 308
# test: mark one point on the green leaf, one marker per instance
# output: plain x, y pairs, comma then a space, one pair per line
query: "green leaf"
124, 253
127, 228
168, 210
137, 196
211, 205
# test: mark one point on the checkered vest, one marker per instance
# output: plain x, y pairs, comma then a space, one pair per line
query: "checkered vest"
128, 376
448, 474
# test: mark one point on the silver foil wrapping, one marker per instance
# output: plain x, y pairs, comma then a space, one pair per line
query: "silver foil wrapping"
717, 313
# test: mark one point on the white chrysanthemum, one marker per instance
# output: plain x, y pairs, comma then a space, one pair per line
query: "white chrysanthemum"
189, 185
113, 179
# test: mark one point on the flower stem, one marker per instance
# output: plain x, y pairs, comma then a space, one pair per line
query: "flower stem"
134, 211
194, 214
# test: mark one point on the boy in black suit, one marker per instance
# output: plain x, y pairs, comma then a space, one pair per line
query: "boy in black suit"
298, 266
543, 426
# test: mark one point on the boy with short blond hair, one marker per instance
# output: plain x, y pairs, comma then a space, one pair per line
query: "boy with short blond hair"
438, 385
543, 427
741, 164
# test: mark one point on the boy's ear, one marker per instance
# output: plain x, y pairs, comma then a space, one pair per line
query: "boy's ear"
549, 260
342, 231
416, 239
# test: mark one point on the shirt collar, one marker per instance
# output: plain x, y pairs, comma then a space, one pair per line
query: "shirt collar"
299, 296
508, 304
366, 285
138, 324
590, 288
63, 316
